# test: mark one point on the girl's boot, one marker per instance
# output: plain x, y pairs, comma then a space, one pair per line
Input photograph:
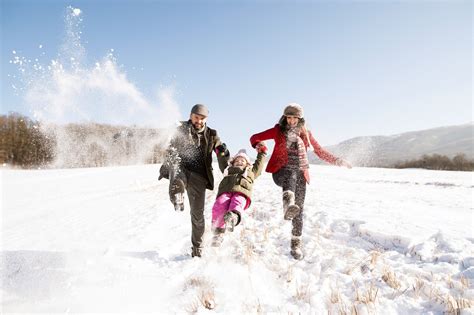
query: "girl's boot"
218, 237
231, 219
290, 210
296, 251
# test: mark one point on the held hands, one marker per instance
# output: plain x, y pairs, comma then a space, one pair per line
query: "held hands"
261, 147
222, 150
342, 162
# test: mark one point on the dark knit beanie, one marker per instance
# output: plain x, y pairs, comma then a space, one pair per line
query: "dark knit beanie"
200, 109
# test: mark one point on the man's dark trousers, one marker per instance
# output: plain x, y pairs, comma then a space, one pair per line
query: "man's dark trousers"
196, 188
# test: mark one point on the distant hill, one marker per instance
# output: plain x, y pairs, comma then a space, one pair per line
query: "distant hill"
385, 150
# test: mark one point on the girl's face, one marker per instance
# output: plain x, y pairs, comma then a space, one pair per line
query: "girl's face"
240, 161
292, 121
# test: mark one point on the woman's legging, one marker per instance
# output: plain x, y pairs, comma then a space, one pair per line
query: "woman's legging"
293, 180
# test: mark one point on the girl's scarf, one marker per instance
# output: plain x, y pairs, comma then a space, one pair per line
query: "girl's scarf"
235, 170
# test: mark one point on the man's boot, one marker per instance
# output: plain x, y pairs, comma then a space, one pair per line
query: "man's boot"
196, 251
218, 237
290, 210
296, 248
231, 220
177, 194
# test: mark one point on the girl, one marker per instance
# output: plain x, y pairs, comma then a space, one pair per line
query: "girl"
235, 192
289, 165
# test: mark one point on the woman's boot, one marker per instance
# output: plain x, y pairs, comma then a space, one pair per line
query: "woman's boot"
290, 210
296, 251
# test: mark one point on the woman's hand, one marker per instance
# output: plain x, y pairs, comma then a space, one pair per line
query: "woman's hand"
342, 162
261, 147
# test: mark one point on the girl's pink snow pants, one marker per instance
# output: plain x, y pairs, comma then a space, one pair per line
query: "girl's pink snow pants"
225, 202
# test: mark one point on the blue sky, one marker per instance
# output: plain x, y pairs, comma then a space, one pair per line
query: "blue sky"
358, 68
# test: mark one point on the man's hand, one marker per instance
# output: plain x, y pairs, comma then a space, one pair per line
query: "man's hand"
222, 150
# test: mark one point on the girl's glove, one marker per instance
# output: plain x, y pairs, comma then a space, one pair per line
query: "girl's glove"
261, 147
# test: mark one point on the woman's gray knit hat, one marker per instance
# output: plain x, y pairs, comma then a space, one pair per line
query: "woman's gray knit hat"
293, 109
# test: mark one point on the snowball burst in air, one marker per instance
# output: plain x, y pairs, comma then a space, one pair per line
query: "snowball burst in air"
76, 11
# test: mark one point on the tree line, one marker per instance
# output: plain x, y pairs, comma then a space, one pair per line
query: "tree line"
439, 162
27, 143
22, 142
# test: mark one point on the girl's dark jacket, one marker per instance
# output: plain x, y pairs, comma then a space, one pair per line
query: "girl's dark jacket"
237, 180
279, 156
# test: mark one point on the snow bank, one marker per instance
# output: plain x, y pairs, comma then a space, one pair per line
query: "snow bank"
107, 240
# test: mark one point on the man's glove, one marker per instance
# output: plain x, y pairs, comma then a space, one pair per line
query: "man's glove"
221, 150
261, 147
164, 171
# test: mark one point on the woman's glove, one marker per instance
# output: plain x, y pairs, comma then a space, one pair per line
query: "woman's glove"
261, 147
342, 162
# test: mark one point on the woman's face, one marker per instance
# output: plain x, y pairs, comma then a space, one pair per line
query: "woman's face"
292, 121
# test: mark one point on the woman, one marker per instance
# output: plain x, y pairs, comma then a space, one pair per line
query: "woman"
289, 165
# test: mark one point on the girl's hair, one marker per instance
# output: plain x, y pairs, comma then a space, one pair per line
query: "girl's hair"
283, 123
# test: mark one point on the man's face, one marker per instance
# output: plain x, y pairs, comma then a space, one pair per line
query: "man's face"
198, 121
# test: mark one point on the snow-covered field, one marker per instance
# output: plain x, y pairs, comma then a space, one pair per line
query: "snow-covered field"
108, 240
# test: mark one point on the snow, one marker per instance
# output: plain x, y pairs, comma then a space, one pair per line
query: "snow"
68, 88
108, 240
76, 11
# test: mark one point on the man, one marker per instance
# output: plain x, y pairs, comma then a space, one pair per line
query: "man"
189, 166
